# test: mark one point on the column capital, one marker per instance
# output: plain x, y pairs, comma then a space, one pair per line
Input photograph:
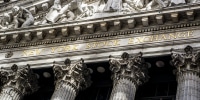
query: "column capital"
22, 79
75, 74
133, 68
187, 61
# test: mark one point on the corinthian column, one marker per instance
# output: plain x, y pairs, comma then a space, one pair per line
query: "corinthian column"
128, 74
187, 72
70, 79
17, 82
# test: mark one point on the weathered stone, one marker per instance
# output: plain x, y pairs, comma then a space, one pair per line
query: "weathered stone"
64, 31
145, 21
174, 17
187, 71
128, 74
131, 23
45, 6
40, 35
190, 15
28, 36
33, 10
90, 28
17, 82
104, 26
159, 19
52, 33
117, 25
16, 38
77, 30
4, 39
70, 79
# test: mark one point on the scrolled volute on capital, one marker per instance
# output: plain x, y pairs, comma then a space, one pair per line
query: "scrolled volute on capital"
132, 68
16, 76
74, 73
186, 61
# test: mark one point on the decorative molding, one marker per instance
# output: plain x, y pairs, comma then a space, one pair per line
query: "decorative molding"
40, 35
187, 71
21, 79
131, 68
100, 27
187, 61
75, 74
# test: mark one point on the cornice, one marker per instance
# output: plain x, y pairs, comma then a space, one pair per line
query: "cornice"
137, 23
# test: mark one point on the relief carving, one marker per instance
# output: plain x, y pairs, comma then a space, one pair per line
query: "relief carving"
177, 2
59, 13
6, 21
132, 68
75, 74
83, 9
16, 76
22, 17
188, 61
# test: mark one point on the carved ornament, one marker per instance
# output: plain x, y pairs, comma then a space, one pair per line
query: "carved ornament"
21, 79
188, 61
132, 68
75, 74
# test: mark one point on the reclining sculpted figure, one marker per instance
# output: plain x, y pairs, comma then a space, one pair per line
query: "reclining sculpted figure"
58, 12
22, 17
157, 4
127, 5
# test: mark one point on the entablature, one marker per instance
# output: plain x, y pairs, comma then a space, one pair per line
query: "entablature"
152, 21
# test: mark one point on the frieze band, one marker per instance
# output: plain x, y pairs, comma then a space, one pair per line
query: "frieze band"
107, 44
60, 11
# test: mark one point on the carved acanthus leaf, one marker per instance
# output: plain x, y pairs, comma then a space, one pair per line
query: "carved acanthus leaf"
22, 79
187, 61
76, 74
133, 68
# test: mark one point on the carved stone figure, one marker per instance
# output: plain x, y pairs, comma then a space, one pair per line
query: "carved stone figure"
128, 8
22, 17
86, 11
71, 77
53, 12
57, 12
177, 2
157, 4
18, 82
6, 21
113, 5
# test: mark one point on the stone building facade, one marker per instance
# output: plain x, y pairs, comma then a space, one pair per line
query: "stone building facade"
69, 49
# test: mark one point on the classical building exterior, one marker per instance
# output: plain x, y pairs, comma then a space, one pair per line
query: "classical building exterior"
99, 50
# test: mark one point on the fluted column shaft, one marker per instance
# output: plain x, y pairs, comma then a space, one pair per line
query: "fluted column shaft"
64, 92
124, 90
70, 79
17, 82
188, 86
10, 93
187, 71
128, 74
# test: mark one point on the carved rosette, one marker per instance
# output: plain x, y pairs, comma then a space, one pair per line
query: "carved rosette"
17, 82
128, 74
70, 79
187, 71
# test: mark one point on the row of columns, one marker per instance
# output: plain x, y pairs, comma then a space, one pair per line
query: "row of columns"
187, 71
128, 72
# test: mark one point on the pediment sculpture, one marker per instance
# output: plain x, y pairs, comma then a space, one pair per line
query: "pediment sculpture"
19, 18
64, 11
